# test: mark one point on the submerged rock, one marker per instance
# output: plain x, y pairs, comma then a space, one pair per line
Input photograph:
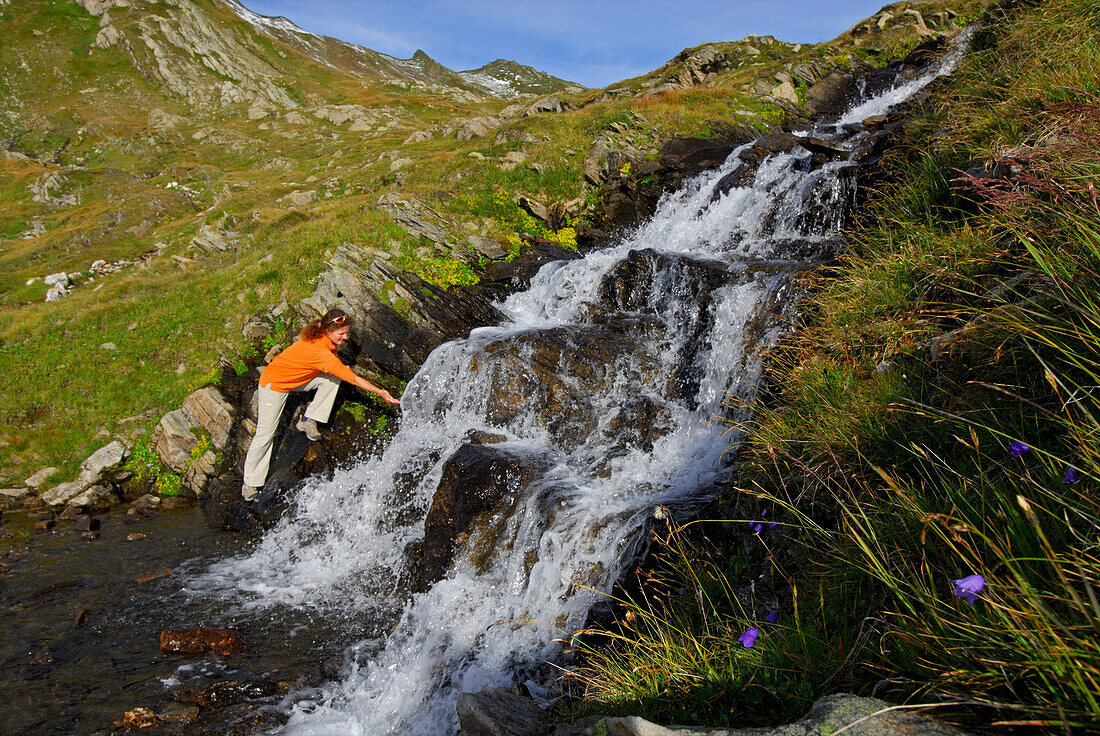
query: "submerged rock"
200, 641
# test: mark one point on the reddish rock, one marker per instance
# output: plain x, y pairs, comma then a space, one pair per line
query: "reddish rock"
200, 641
138, 718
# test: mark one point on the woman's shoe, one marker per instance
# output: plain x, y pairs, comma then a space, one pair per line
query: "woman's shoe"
309, 426
249, 492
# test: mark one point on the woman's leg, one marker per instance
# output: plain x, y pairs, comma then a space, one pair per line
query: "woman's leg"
256, 462
327, 386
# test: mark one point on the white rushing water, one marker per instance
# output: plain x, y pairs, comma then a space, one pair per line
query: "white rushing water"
649, 340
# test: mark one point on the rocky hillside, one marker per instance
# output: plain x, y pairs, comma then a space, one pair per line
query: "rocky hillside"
172, 168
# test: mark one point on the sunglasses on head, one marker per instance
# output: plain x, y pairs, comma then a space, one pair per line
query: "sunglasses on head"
340, 320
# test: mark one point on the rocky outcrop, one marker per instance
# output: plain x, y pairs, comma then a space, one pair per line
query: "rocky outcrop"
49, 189
398, 317
193, 439
418, 219
212, 239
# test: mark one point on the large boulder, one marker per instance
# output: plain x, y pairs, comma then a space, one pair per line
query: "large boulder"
478, 481
478, 127
97, 497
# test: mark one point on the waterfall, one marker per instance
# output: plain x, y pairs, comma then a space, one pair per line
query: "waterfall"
609, 383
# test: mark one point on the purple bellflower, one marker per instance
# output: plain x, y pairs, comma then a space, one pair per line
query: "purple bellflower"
772, 617
968, 588
1071, 476
749, 637
1018, 448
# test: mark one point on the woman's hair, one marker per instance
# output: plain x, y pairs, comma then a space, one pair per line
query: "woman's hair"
334, 319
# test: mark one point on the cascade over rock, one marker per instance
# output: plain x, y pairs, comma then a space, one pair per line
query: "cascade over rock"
608, 387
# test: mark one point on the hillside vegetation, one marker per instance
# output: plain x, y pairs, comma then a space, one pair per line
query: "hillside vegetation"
213, 159
918, 514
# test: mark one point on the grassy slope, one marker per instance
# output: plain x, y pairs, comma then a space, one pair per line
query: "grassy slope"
964, 319
61, 388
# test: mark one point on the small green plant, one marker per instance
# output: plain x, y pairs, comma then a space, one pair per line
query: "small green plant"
144, 462
168, 484
357, 411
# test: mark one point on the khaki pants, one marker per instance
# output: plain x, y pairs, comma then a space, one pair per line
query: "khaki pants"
269, 409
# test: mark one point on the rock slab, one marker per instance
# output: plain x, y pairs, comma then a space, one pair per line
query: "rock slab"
499, 713
857, 716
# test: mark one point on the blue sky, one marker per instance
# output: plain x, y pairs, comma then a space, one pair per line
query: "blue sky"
594, 42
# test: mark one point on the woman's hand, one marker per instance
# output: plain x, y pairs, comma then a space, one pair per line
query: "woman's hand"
382, 393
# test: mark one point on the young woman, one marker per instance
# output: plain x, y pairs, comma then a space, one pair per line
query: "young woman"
308, 364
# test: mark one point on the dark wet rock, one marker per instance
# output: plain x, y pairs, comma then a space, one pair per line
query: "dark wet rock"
768, 146
499, 712
477, 481
174, 502
874, 122
823, 147
629, 198
831, 95
42, 526
178, 713
481, 437
85, 523
854, 715
555, 373
69, 513
227, 693
200, 641
33, 503
147, 505
692, 156
504, 277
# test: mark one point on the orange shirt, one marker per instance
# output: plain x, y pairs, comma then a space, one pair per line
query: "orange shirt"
301, 362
